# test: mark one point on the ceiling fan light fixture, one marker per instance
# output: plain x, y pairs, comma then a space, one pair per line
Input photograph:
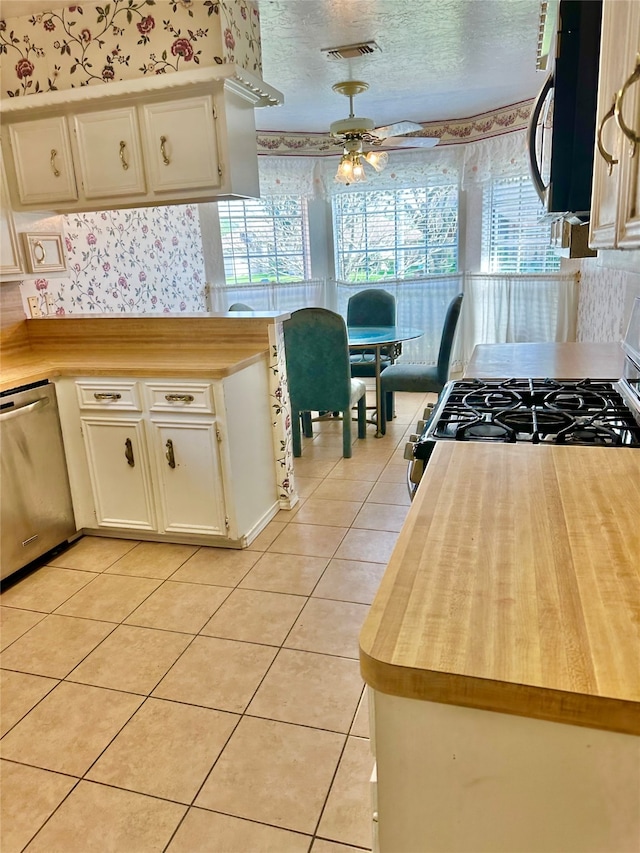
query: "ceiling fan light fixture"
377, 159
350, 169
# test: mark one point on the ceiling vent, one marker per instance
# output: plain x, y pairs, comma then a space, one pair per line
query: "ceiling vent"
351, 51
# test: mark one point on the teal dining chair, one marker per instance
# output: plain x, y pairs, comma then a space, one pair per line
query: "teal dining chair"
240, 306
370, 307
420, 377
318, 373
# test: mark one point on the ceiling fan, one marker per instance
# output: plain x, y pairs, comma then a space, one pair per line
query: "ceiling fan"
355, 132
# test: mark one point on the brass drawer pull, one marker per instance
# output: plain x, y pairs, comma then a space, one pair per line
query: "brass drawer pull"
171, 459
163, 151
179, 398
123, 145
128, 453
54, 168
632, 135
111, 395
608, 158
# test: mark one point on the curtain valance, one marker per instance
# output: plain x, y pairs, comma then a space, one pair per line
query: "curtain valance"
465, 164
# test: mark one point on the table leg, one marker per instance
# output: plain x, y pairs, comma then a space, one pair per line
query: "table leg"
379, 400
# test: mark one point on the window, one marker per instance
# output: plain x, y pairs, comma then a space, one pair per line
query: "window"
396, 233
264, 240
513, 240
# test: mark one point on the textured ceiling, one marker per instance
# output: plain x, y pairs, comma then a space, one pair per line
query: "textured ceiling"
439, 59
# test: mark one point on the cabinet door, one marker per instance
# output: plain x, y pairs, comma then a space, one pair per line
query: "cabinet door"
629, 226
606, 175
180, 144
10, 257
43, 161
109, 154
119, 471
190, 478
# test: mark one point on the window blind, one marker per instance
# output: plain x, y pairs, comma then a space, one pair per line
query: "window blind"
265, 240
394, 234
513, 239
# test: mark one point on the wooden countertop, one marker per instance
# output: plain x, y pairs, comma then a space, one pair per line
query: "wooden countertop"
558, 361
211, 346
515, 586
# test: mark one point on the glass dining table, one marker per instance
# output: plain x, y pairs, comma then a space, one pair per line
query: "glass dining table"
377, 338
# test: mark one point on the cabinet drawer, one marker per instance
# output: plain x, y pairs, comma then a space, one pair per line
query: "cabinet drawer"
106, 395
180, 396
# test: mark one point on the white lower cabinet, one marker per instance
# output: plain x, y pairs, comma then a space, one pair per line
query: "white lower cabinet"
119, 471
452, 779
189, 476
182, 461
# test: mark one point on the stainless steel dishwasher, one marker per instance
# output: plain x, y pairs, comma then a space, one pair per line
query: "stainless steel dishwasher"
36, 512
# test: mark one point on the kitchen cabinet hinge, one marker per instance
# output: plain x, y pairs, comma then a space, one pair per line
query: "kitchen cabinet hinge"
226, 522
220, 171
218, 434
215, 114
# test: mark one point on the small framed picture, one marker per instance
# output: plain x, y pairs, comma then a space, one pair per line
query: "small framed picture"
44, 252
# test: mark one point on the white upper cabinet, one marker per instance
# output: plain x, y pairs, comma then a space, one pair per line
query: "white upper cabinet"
615, 206
42, 162
11, 263
181, 149
176, 138
108, 153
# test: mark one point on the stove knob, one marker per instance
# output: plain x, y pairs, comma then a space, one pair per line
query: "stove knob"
428, 411
414, 437
408, 450
421, 426
416, 470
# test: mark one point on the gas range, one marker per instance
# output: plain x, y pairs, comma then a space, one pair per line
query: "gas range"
573, 412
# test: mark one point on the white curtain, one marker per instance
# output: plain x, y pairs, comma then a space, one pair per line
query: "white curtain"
505, 156
500, 309
420, 304
272, 296
287, 176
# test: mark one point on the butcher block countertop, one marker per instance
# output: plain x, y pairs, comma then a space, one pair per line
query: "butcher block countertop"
515, 586
198, 345
546, 360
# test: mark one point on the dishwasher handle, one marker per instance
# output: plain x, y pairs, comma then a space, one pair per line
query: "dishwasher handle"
23, 410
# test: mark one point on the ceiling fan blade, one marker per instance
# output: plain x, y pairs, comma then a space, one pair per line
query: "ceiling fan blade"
409, 142
398, 128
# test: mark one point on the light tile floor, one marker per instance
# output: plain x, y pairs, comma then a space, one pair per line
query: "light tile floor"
175, 698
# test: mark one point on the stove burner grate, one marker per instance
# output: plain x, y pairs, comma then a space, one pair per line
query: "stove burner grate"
535, 410
534, 422
484, 430
589, 433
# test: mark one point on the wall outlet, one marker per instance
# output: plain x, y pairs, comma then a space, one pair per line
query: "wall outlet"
48, 298
34, 306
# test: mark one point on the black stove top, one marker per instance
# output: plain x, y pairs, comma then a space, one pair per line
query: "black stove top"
581, 412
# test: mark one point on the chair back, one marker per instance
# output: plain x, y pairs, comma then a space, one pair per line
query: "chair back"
371, 307
240, 306
317, 358
448, 335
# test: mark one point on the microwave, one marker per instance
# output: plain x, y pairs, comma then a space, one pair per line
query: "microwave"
562, 126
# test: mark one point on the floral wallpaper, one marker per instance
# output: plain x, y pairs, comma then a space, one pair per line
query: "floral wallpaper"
281, 418
72, 46
146, 260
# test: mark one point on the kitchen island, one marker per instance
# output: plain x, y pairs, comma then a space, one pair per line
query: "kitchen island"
502, 655
502, 651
